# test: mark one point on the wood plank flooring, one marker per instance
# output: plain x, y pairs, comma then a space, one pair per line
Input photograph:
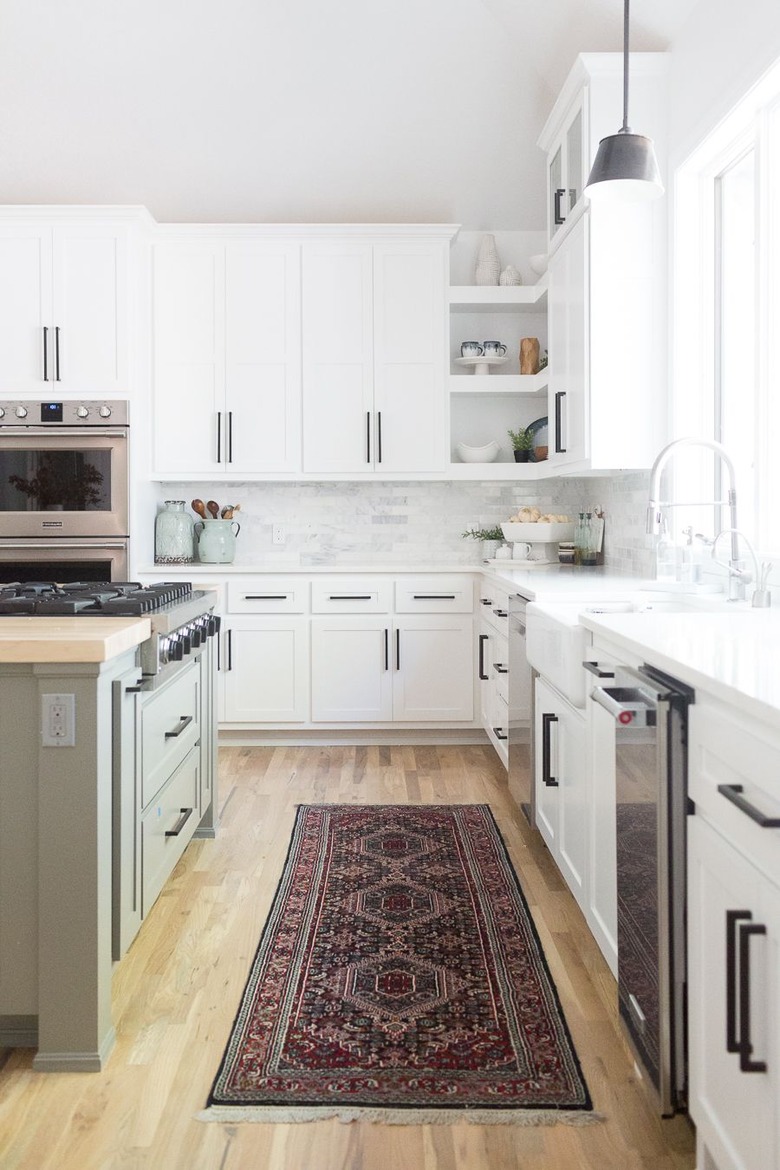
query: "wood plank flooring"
176, 992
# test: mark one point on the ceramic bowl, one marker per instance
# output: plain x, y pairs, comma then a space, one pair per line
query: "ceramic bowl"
486, 454
538, 263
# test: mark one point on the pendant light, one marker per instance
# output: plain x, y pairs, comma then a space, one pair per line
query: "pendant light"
625, 167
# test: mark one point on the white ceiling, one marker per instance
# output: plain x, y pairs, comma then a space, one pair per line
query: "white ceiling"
396, 110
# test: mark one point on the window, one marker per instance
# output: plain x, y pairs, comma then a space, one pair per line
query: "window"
726, 352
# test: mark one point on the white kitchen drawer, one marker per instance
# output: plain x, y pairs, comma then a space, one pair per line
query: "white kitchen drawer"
269, 594
170, 728
729, 751
434, 594
494, 607
499, 666
167, 827
351, 595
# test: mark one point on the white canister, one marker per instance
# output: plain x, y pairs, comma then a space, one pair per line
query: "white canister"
217, 541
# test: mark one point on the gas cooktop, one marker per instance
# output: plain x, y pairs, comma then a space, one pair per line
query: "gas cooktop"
93, 598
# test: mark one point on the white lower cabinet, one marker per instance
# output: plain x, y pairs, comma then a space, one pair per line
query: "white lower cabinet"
375, 669
734, 981
562, 785
264, 668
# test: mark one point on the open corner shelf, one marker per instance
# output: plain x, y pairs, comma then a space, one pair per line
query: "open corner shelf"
530, 384
475, 296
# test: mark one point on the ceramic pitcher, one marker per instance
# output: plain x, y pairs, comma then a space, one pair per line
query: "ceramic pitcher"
217, 541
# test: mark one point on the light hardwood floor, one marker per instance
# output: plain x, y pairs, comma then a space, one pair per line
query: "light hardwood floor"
176, 992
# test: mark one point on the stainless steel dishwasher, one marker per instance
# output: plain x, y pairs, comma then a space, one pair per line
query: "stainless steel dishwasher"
648, 711
520, 745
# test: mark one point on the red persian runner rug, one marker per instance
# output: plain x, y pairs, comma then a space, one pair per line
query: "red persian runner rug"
399, 978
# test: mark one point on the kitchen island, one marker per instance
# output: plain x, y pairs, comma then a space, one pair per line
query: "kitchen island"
56, 832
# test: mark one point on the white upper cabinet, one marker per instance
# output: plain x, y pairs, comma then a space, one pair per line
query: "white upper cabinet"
64, 300
607, 278
374, 320
226, 356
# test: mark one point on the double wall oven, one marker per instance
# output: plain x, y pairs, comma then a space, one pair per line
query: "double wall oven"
64, 490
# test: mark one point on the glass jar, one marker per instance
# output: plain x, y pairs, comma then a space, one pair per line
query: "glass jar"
173, 535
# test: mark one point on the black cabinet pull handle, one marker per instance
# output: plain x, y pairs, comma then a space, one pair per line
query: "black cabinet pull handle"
132, 690
433, 596
57, 354
500, 733
350, 596
547, 720
368, 436
559, 397
230, 650
595, 668
732, 918
230, 436
481, 671
219, 436
485, 601
746, 1062
558, 217
501, 612
499, 668
266, 596
733, 793
397, 649
186, 813
184, 721
387, 648
45, 353
379, 436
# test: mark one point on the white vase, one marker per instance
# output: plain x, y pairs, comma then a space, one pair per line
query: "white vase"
510, 276
488, 268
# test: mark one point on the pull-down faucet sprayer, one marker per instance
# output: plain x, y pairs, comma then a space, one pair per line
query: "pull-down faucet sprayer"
737, 575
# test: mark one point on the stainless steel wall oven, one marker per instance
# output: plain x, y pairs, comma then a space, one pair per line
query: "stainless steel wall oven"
63, 490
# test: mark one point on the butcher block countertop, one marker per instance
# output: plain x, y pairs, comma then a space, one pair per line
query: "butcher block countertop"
69, 639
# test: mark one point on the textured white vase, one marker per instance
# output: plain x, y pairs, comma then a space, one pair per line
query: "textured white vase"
488, 267
510, 276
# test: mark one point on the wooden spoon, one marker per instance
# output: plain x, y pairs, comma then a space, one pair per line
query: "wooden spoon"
200, 508
213, 507
227, 512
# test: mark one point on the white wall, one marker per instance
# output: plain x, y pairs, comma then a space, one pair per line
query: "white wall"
721, 50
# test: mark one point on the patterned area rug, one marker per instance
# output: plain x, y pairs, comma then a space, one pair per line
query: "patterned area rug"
399, 978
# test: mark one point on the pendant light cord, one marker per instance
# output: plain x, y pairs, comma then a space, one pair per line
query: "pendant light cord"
625, 129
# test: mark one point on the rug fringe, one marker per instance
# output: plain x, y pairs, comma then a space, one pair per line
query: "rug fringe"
279, 1115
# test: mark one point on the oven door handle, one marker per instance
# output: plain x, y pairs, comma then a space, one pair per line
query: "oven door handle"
62, 544
68, 432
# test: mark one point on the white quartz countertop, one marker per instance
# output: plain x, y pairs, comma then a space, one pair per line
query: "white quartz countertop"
69, 639
732, 656
200, 569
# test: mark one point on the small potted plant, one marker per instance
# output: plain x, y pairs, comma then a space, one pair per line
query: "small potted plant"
491, 538
523, 444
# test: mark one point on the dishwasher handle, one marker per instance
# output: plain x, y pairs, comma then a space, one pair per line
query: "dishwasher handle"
627, 705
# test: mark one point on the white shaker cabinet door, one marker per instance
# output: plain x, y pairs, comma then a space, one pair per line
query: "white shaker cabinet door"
351, 670
433, 657
189, 370
262, 356
568, 301
409, 357
264, 670
339, 428
735, 1108
90, 308
25, 308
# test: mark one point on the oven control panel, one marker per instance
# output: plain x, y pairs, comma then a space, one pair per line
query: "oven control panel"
76, 412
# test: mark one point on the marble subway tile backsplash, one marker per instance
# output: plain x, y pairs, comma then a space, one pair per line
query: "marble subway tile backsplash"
415, 522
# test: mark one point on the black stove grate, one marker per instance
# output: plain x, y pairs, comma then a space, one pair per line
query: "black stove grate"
90, 598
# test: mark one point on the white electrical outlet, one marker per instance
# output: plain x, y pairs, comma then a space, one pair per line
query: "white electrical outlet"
279, 534
58, 720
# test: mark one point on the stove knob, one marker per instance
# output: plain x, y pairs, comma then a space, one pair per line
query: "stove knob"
82, 412
2, 412
177, 649
186, 641
105, 412
21, 412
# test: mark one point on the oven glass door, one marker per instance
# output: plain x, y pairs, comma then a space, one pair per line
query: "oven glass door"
63, 483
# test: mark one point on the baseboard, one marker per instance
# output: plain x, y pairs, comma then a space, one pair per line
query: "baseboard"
18, 1031
75, 1061
362, 737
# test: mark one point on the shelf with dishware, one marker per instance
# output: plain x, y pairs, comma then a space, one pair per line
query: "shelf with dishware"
527, 384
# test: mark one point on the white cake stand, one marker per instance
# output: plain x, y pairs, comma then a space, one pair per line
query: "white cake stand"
482, 364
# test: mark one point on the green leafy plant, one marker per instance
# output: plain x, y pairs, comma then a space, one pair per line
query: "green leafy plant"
522, 440
484, 533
